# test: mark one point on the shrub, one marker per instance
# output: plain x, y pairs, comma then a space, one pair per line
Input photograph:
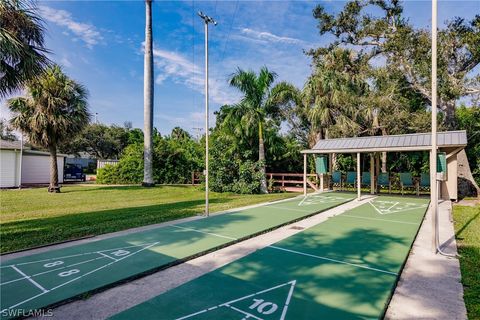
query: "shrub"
127, 171
173, 162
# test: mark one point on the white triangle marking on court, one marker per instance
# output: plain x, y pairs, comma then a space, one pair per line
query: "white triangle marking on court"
74, 255
316, 199
391, 209
247, 314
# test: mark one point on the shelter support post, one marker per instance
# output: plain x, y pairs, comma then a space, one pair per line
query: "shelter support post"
304, 174
359, 181
372, 173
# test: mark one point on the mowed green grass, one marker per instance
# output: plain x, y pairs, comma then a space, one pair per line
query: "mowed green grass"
33, 217
467, 229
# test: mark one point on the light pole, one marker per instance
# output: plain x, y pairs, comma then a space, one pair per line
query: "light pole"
433, 153
207, 20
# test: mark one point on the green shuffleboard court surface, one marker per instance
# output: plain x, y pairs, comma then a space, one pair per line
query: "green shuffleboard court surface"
343, 268
44, 279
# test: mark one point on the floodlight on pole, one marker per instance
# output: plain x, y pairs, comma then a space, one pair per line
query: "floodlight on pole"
206, 20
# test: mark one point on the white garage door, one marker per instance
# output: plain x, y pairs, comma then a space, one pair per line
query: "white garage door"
36, 168
8, 169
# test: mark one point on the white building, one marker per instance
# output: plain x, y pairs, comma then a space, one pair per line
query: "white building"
27, 167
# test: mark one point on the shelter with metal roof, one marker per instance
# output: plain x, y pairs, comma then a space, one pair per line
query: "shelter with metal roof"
449, 142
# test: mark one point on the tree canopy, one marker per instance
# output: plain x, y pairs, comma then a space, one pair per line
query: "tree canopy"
389, 39
21, 45
54, 110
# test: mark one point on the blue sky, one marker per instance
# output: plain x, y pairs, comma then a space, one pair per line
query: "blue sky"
99, 43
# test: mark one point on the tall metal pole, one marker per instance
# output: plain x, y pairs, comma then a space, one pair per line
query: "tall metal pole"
207, 20
359, 177
433, 153
305, 174
20, 162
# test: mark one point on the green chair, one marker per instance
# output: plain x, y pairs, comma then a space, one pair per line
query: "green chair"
366, 179
383, 180
337, 179
351, 178
424, 181
406, 181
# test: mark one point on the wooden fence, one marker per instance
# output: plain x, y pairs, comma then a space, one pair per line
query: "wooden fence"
280, 181
292, 181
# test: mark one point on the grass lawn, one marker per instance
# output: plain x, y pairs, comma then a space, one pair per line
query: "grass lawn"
33, 217
467, 230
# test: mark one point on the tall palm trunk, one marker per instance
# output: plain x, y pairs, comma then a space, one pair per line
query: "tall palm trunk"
261, 158
384, 154
53, 187
148, 99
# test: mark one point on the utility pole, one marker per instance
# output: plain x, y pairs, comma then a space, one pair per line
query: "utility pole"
206, 20
198, 133
433, 153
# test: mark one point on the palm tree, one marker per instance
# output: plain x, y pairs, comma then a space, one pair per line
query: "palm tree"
179, 134
54, 110
259, 102
21, 45
148, 99
333, 92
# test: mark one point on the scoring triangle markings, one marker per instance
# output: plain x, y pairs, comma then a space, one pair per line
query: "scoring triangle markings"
259, 307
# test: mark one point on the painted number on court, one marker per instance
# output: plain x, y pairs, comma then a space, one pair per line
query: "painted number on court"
52, 264
68, 273
263, 307
120, 253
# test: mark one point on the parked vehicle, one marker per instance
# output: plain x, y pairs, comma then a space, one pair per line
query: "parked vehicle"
74, 172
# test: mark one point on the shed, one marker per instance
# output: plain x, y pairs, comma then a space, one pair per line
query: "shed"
34, 165
450, 142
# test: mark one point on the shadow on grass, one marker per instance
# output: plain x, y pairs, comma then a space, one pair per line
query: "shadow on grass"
23, 234
98, 187
469, 266
472, 219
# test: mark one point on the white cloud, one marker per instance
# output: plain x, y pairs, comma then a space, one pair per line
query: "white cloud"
65, 62
175, 66
193, 122
269, 37
88, 33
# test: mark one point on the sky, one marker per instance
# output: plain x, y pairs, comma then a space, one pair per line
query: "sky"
99, 44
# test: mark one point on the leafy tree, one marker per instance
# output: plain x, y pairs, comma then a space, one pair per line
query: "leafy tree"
233, 172
6, 131
54, 110
21, 45
332, 93
174, 160
100, 141
468, 119
135, 136
260, 102
180, 134
390, 36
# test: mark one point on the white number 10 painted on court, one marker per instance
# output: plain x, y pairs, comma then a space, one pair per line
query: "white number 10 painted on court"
264, 307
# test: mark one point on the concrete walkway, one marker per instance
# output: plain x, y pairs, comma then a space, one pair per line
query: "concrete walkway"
429, 287
112, 301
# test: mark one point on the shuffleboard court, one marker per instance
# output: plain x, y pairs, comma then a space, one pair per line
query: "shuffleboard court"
343, 268
44, 279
